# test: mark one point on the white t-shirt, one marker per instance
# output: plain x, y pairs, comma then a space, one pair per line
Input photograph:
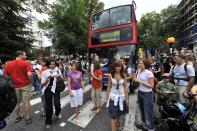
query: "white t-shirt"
37, 67
129, 71
179, 72
51, 73
144, 76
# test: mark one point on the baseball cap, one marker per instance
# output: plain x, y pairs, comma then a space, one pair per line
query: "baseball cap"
166, 75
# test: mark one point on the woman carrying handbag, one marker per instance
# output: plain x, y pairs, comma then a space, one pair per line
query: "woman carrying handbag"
49, 80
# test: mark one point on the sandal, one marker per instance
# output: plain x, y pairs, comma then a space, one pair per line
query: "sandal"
118, 124
94, 108
28, 121
18, 119
98, 110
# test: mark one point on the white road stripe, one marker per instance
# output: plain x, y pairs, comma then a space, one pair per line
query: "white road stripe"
36, 112
35, 101
65, 101
130, 118
38, 100
86, 114
62, 124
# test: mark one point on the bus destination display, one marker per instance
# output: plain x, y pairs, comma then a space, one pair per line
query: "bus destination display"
109, 36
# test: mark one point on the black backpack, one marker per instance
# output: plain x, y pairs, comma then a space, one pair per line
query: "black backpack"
8, 97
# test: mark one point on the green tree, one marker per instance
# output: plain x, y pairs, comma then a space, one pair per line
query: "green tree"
40, 6
170, 19
12, 35
149, 29
68, 24
154, 28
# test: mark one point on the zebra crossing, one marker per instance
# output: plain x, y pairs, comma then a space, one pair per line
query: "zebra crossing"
86, 117
86, 114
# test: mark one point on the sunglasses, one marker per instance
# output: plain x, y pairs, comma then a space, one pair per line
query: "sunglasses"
117, 87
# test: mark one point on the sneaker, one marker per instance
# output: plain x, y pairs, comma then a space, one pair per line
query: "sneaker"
48, 126
141, 126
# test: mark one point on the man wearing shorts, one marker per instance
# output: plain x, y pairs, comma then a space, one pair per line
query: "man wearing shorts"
20, 72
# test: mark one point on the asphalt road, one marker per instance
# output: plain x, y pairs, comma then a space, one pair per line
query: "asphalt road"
89, 121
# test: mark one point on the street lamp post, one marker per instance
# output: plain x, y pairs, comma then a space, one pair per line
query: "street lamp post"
171, 41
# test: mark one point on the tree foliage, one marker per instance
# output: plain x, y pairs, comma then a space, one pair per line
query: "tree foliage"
13, 35
68, 24
154, 28
40, 6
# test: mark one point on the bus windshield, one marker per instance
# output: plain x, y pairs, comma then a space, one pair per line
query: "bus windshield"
112, 17
108, 54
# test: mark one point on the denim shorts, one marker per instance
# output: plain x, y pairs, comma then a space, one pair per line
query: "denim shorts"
114, 111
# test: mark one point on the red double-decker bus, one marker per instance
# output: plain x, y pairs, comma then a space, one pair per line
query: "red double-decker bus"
113, 33
114, 29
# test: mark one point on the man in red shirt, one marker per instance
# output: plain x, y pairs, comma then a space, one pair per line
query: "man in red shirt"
20, 72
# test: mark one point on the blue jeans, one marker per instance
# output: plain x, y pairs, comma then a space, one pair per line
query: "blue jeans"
36, 84
145, 101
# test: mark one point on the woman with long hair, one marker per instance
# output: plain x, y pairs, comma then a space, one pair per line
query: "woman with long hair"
75, 86
117, 94
49, 78
145, 94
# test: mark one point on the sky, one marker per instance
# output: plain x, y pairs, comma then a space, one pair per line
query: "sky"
143, 6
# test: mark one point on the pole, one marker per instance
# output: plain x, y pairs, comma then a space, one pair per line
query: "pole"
171, 48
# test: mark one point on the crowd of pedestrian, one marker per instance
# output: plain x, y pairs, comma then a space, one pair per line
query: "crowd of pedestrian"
40, 77
175, 73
